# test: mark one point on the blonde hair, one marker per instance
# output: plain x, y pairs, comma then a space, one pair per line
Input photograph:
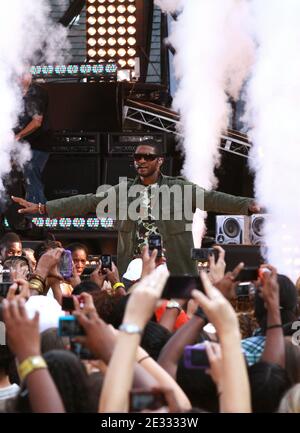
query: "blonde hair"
290, 403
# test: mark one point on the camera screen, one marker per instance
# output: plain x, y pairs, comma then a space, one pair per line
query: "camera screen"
154, 242
181, 286
69, 327
247, 274
199, 357
146, 400
67, 303
106, 262
202, 254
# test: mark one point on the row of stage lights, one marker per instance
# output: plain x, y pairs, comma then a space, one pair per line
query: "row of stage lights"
101, 70
72, 223
111, 31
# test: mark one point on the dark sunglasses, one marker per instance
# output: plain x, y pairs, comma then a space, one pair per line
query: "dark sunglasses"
145, 156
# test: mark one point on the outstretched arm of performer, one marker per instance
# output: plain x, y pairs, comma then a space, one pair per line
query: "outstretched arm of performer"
64, 207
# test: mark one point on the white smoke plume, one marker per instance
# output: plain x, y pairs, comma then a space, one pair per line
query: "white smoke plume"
273, 102
214, 52
26, 31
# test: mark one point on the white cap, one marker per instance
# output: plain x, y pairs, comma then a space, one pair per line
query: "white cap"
49, 309
134, 270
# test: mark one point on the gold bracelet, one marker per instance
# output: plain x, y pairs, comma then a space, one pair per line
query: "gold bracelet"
29, 365
37, 285
38, 277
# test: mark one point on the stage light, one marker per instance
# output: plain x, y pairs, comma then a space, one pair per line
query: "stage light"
51, 223
101, 53
131, 41
92, 31
92, 42
121, 41
106, 222
122, 30
79, 223
91, 10
101, 21
60, 69
111, 9
111, 52
121, 19
112, 42
131, 30
131, 9
112, 17
39, 222
122, 63
124, 75
93, 223
101, 42
92, 53
101, 10
102, 31
131, 52
121, 9
131, 63
65, 223
92, 21
122, 52
98, 69
131, 19
112, 30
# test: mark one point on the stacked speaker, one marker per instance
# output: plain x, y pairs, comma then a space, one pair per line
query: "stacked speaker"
81, 161
74, 165
240, 229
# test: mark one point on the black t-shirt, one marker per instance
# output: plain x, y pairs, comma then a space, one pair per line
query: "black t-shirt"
35, 103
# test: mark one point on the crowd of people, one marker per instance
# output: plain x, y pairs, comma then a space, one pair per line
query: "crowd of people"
214, 351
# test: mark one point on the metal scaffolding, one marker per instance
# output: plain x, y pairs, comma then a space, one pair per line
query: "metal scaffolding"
161, 118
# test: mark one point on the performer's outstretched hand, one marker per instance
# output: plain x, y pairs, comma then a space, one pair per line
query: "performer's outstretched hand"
256, 208
28, 208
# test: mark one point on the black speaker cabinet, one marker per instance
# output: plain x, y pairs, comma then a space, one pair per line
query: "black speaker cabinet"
67, 175
116, 167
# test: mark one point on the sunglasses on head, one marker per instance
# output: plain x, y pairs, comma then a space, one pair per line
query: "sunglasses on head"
145, 156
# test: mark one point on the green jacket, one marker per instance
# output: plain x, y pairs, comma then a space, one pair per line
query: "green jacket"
177, 240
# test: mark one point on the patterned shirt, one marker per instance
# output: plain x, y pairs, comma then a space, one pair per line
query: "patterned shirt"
253, 348
146, 224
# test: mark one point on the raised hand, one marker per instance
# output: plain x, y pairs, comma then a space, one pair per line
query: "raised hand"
216, 307
214, 354
48, 264
144, 297
217, 269
28, 207
100, 337
149, 261
24, 290
269, 290
22, 333
227, 285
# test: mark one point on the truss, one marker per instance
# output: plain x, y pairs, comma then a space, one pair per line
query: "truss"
163, 119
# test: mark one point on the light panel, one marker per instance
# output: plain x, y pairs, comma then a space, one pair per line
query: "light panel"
115, 23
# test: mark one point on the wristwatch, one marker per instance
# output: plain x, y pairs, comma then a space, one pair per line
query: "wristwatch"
130, 328
173, 304
29, 365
